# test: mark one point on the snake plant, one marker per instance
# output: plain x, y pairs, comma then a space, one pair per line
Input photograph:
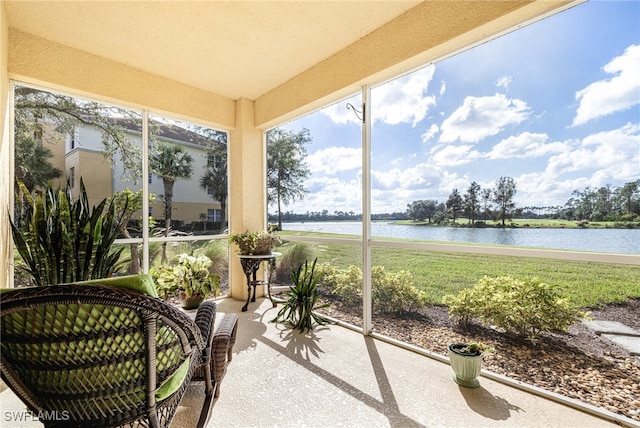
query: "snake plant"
63, 240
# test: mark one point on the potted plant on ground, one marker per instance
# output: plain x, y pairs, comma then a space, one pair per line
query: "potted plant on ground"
254, 243
466, 362
302, 300
190, 277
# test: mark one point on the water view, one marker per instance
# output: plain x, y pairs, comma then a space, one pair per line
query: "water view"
621, 241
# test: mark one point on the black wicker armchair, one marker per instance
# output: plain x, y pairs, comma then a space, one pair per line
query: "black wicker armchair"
101, 356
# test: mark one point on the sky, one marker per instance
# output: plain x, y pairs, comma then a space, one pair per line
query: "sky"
554, 105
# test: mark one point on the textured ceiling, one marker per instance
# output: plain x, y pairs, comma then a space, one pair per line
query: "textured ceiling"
234, 48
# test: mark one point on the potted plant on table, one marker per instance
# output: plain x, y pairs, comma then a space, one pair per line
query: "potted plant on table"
190, 277
466, 362
254, 243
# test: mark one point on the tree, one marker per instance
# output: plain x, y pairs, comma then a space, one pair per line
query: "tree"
214, 180
627, 194
32, 163
455, 204
503, 195
485, 195
171, 162
32, 168
471, 202
127, 204
37, 112
421, 210
286, 169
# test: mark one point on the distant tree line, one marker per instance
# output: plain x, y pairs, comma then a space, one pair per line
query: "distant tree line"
475, 204
606, 203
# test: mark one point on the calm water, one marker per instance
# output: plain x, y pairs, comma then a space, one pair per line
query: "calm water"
624, 241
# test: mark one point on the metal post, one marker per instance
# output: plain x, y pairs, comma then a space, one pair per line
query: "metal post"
145, 191
366, 210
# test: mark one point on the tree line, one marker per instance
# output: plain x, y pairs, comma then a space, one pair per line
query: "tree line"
607, 203
497, 203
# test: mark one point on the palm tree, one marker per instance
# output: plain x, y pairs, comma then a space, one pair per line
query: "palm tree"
170, 162
214, 180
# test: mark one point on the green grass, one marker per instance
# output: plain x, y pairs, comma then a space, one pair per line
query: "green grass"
585, 284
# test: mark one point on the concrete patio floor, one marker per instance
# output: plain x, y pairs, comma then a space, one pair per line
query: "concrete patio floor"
336, 377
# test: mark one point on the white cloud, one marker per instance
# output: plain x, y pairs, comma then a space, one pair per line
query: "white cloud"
443, 88
334, 159
450, 181
340, 114
504, 82
416, 177
542, 189
329, 193
481, 117
526, 145
614, 154
454, 155
402, 100
430, 133
619, 93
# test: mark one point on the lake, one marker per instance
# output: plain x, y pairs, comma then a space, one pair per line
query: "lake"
621, 241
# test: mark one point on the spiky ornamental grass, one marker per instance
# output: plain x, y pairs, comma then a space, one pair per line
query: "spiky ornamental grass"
302, 301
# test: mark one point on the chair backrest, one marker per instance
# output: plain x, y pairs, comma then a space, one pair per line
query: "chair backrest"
96, 355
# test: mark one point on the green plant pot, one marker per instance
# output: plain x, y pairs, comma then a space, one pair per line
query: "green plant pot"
466, 368
190, 302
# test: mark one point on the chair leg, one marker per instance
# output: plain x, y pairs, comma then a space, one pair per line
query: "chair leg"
208, 398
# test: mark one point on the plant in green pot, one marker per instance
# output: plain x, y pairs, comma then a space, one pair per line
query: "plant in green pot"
302, 300
466, 362
191, 278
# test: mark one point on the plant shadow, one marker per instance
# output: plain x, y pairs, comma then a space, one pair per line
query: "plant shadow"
488, 405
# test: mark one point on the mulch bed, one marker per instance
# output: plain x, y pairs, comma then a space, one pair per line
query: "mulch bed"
578, 364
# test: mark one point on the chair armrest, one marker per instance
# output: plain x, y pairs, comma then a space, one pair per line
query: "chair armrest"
205, 318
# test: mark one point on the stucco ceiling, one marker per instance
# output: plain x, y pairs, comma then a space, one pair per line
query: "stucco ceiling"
233, 48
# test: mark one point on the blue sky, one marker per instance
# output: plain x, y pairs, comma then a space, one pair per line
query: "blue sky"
554, 105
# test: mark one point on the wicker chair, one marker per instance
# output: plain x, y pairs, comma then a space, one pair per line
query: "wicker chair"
100, 356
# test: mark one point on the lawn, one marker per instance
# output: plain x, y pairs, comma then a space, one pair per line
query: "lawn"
586, 284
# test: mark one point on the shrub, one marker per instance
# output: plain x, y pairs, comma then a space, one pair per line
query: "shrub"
344, 283
218, 251
391, 292
294, 255
526, 307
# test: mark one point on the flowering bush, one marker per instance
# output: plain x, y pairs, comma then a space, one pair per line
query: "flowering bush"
191, 274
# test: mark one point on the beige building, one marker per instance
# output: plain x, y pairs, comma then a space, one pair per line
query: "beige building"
241, 67
81, 155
